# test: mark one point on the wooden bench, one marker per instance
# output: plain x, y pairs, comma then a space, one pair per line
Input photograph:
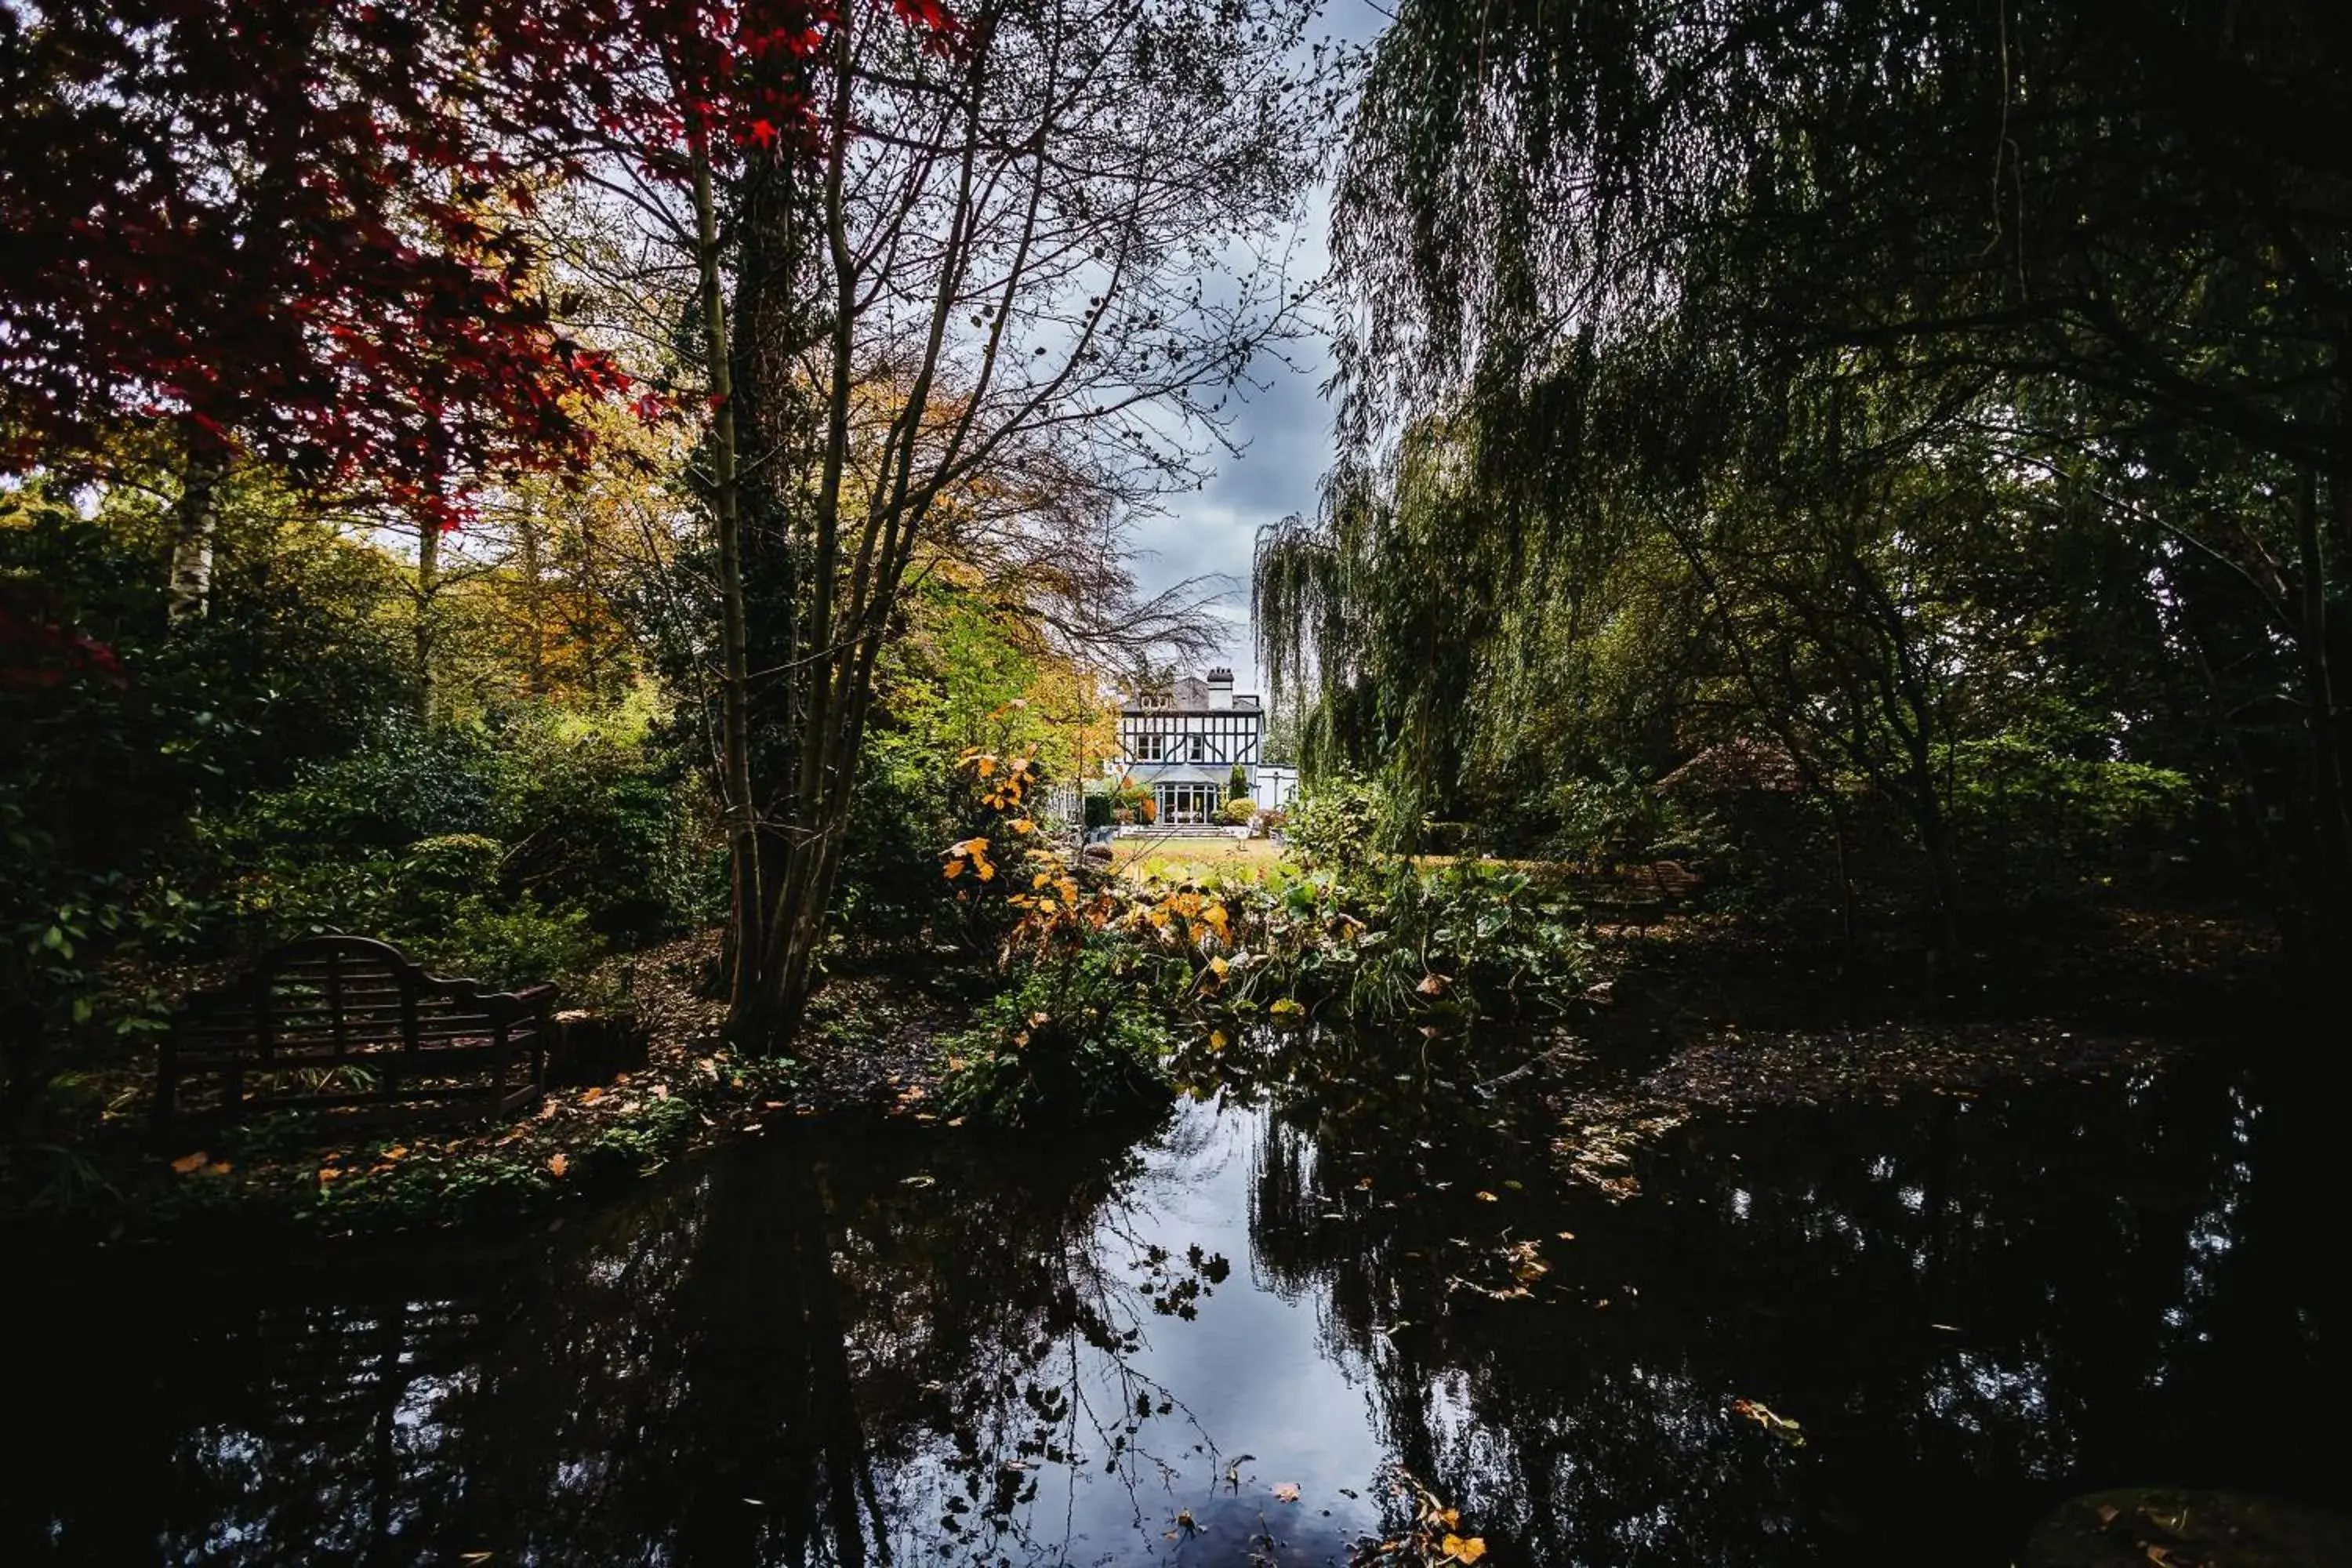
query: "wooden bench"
1638, 895
351, 1027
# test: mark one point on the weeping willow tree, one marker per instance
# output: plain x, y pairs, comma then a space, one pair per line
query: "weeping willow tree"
1651, 306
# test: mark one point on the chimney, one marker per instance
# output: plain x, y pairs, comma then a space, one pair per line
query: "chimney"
1221, 688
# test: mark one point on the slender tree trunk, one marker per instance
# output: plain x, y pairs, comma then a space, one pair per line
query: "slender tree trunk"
744, 934
534, 580
428, 588
196, 526
2328, 789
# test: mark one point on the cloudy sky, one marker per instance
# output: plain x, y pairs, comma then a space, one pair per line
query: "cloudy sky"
1286, 428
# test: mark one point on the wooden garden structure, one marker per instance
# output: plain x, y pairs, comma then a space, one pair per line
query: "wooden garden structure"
349, 1027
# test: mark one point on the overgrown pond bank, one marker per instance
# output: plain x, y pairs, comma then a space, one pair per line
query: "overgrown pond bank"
951, 1349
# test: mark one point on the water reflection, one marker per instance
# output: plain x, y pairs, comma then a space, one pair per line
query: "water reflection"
871, 1352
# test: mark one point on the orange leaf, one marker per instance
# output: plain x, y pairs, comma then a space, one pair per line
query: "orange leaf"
557, 1164
1286, 1491
187, 1164
218, 1168
593, 1096
1462, 1550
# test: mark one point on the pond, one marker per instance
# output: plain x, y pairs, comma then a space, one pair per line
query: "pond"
1217, 1345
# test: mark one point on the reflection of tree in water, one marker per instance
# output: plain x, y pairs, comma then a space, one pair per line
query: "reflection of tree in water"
783, 1359
2113, 1309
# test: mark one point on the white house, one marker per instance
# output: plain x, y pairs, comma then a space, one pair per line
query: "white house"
1181, 742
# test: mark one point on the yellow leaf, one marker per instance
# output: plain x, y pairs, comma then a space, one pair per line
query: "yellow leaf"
1216, 1039
218, 1168
557, 1164
987, 765
395, 1151
1286, 1007
1023, 824
986, 870
1286, 1491
593, 1096
1465, 1551
1489, 1198
328, 1173
1220, 966
188, 1163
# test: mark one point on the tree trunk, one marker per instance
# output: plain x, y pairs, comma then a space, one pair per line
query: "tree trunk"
2328, 788
428, 588
744, 933
534, 583
195, 525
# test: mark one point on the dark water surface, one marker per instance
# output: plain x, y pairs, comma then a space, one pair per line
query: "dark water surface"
889, 1348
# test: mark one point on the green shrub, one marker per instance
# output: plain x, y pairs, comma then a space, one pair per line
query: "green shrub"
1075, 1040
1239, 811
520, 945
1342, 824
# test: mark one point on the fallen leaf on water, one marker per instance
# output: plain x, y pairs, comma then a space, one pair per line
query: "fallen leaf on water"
187, 1164
1489, 1198
557, 1164
1286, 1491
1781, 1427
1465, 1551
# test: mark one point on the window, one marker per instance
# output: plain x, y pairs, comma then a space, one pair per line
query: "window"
1187, 805
1147, 748
1199, 750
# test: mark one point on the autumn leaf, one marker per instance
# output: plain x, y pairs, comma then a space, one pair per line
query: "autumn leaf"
1286, 1491
557, 1164
218, 1168
593, 1096
187, 1164
328, 1173
1431, 985
1489, 1198
1463, 1550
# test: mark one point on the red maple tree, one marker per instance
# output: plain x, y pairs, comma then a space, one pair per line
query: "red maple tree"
277, 224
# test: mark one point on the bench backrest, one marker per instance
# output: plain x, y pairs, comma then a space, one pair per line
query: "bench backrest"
341, 1021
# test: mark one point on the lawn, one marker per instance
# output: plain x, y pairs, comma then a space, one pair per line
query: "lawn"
1210, 852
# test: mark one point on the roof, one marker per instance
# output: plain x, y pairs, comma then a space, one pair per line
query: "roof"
1186, 694
1739, 763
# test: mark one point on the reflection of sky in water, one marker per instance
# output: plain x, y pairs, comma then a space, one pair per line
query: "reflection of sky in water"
1970, 1310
